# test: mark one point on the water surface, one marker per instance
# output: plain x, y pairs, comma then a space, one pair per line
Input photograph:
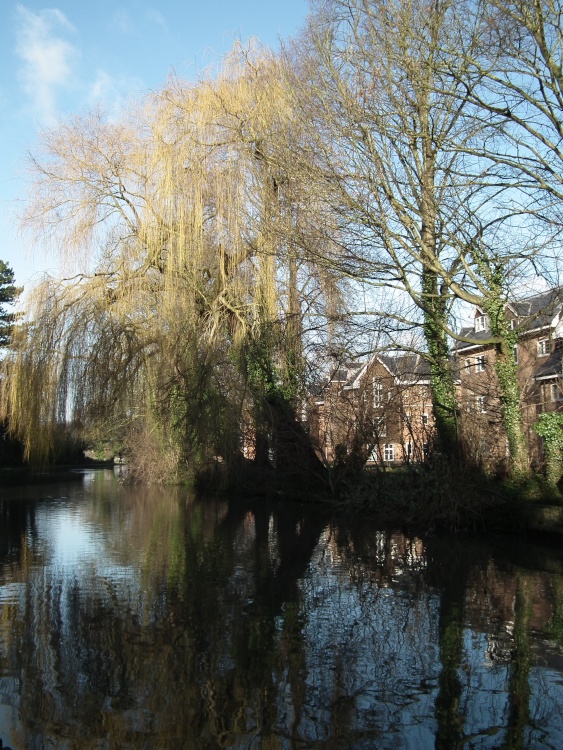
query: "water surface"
145, 618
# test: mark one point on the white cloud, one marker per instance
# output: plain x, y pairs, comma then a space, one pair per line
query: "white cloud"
112, 92
121, 20
46, 57
155, 17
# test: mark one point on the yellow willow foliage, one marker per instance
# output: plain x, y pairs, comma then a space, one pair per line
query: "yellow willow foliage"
181, 218
70, 358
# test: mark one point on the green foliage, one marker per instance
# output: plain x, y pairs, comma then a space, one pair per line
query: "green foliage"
550, 427
275, 384
506, 368
556, 622
8, 295
11, 449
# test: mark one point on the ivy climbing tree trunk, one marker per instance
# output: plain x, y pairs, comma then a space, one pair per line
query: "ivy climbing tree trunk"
506, 369
550, 427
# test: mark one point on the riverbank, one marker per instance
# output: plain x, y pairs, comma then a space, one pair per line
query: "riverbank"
12, 476
437, 498
420, 497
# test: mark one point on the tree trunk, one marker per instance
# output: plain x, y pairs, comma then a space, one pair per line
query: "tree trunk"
509, 393
441, 378
435, 304
509, 388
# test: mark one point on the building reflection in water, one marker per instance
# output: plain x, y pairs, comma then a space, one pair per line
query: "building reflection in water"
141, 617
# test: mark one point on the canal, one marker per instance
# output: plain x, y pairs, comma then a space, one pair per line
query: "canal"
142, 617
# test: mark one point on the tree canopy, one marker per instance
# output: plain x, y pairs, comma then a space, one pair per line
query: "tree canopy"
232, 235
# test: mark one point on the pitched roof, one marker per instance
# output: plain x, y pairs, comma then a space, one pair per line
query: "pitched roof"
536, 311
469, 332
552, 366
407, 366
412, 366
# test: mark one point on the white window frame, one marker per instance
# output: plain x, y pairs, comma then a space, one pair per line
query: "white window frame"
377, 392
515, 353
480, 363
555, 392
542, 347
468, 364
480, 404
389, 452
424, 419
481, 323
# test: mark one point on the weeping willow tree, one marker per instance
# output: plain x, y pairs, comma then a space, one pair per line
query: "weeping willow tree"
183, 330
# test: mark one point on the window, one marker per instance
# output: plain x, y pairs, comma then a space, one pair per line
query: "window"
480, 363
480, 404
543, 347
409, 451
550, 392
424, 419
468, 364
515, 352
389, 452
377, 392
513, 324
481, 323
380, 427
555, 392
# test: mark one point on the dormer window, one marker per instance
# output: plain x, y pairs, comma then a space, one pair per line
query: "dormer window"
543, 347
481, 323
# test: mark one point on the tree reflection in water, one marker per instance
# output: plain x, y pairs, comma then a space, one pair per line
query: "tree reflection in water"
135, 617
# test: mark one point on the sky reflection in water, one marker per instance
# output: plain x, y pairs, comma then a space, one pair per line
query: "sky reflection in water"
139, 617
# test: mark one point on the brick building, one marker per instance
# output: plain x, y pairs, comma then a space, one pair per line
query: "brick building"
380, 410
538, 322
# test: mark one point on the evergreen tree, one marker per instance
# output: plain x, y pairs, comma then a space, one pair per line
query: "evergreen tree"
11, 449
8, 294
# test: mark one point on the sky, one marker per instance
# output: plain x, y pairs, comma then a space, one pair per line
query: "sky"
64, 57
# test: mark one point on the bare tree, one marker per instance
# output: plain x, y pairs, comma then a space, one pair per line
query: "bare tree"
385, 122
512, 86
399, 153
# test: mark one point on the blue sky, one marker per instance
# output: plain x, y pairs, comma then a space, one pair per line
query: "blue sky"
65, 57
